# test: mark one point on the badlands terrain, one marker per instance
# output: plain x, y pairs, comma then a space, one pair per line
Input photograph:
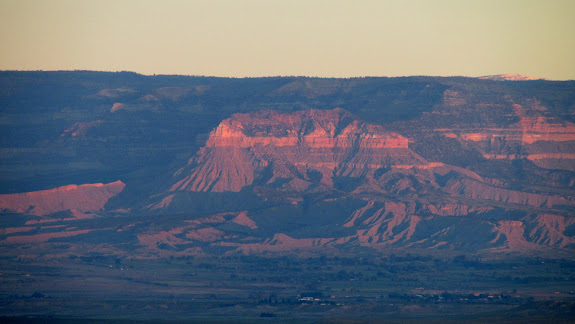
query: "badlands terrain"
137, 170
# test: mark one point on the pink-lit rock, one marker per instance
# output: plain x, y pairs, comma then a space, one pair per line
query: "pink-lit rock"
81, 198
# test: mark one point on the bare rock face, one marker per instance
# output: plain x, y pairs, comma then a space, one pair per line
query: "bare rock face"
304, 147
82, 198
405, 200
546, 141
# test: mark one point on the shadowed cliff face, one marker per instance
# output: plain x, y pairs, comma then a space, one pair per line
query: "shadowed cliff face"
304, 147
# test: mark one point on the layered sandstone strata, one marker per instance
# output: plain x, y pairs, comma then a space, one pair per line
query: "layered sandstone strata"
547, 141
304, 147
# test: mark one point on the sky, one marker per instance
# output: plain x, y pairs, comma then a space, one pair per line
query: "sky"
331, 38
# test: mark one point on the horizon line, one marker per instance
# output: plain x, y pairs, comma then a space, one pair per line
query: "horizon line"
291, 76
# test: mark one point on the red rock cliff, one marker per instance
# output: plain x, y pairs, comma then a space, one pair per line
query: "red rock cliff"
288, 146
83, 198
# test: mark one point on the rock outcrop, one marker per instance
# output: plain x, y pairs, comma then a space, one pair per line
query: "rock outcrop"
304, 147
546, 141
81, 198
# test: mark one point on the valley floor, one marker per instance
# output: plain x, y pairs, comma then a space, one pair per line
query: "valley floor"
404, 288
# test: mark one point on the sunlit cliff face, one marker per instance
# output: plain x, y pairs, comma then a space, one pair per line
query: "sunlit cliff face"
313, 129
81, 198
331, 142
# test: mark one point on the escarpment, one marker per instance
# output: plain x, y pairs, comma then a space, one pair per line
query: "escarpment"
304, 147
546, 141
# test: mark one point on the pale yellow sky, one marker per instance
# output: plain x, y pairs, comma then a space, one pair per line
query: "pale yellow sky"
340, 38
